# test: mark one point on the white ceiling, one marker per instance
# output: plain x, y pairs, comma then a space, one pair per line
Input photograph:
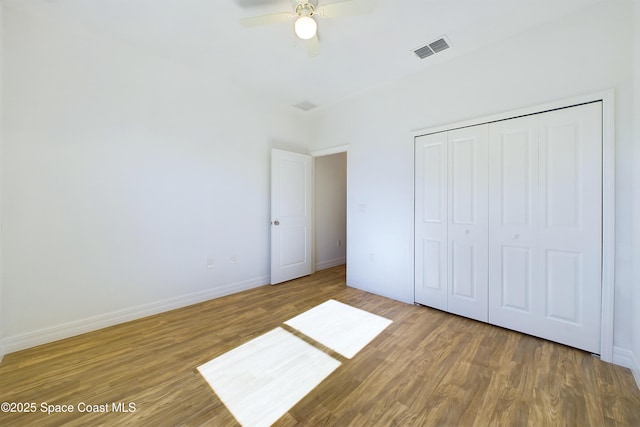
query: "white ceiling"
356, 52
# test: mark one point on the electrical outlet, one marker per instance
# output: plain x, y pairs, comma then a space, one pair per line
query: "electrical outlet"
211, 263
233, 259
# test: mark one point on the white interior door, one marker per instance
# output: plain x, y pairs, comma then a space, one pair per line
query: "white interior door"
546, 229
431, 277
468, 222
291, 215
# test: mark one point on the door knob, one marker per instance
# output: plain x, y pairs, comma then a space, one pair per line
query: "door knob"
276, 222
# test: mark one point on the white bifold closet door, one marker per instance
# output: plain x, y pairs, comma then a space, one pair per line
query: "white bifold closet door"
508, 223
545, 225
451, 221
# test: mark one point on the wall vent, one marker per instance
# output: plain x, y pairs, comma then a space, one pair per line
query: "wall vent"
305, 106
432, 48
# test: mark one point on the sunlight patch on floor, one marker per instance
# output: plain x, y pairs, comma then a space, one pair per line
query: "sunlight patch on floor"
262, 379
341, 327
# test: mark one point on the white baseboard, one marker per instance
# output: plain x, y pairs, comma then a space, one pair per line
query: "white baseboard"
2, 352
330, 263
635, 370
623, 357
628, 359
66, 330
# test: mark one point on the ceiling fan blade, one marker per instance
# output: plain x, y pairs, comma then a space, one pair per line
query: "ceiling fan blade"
344, 8
313, 46
274, 18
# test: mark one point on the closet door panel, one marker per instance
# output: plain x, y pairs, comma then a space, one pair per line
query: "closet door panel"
563, 293
513, 195
430, 271
463, 282
515, 278
570, 232
467, 193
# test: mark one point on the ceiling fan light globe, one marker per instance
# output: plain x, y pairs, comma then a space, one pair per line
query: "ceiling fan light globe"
305, 27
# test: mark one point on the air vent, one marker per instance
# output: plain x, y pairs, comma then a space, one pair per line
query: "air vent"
433, 47
439, 45
423, 52
305, 106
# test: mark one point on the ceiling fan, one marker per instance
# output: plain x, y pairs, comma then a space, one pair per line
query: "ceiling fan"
305, 13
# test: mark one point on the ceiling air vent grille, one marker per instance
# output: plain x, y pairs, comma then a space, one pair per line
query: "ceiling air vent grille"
423, 52
439, 45
433, 47
305, 106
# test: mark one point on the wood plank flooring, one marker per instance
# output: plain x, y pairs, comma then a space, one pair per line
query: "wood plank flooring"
428, 368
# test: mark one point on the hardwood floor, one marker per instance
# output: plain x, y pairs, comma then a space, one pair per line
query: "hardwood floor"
427, 368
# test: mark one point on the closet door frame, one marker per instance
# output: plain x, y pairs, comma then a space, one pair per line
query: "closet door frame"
608, 192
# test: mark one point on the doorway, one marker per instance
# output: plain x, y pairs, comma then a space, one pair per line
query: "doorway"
330, 201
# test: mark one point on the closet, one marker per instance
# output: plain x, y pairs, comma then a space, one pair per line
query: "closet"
508, 223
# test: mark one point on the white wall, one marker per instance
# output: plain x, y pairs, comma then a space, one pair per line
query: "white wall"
1, 118
579, 54
330, 210
636, 196
122, 174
